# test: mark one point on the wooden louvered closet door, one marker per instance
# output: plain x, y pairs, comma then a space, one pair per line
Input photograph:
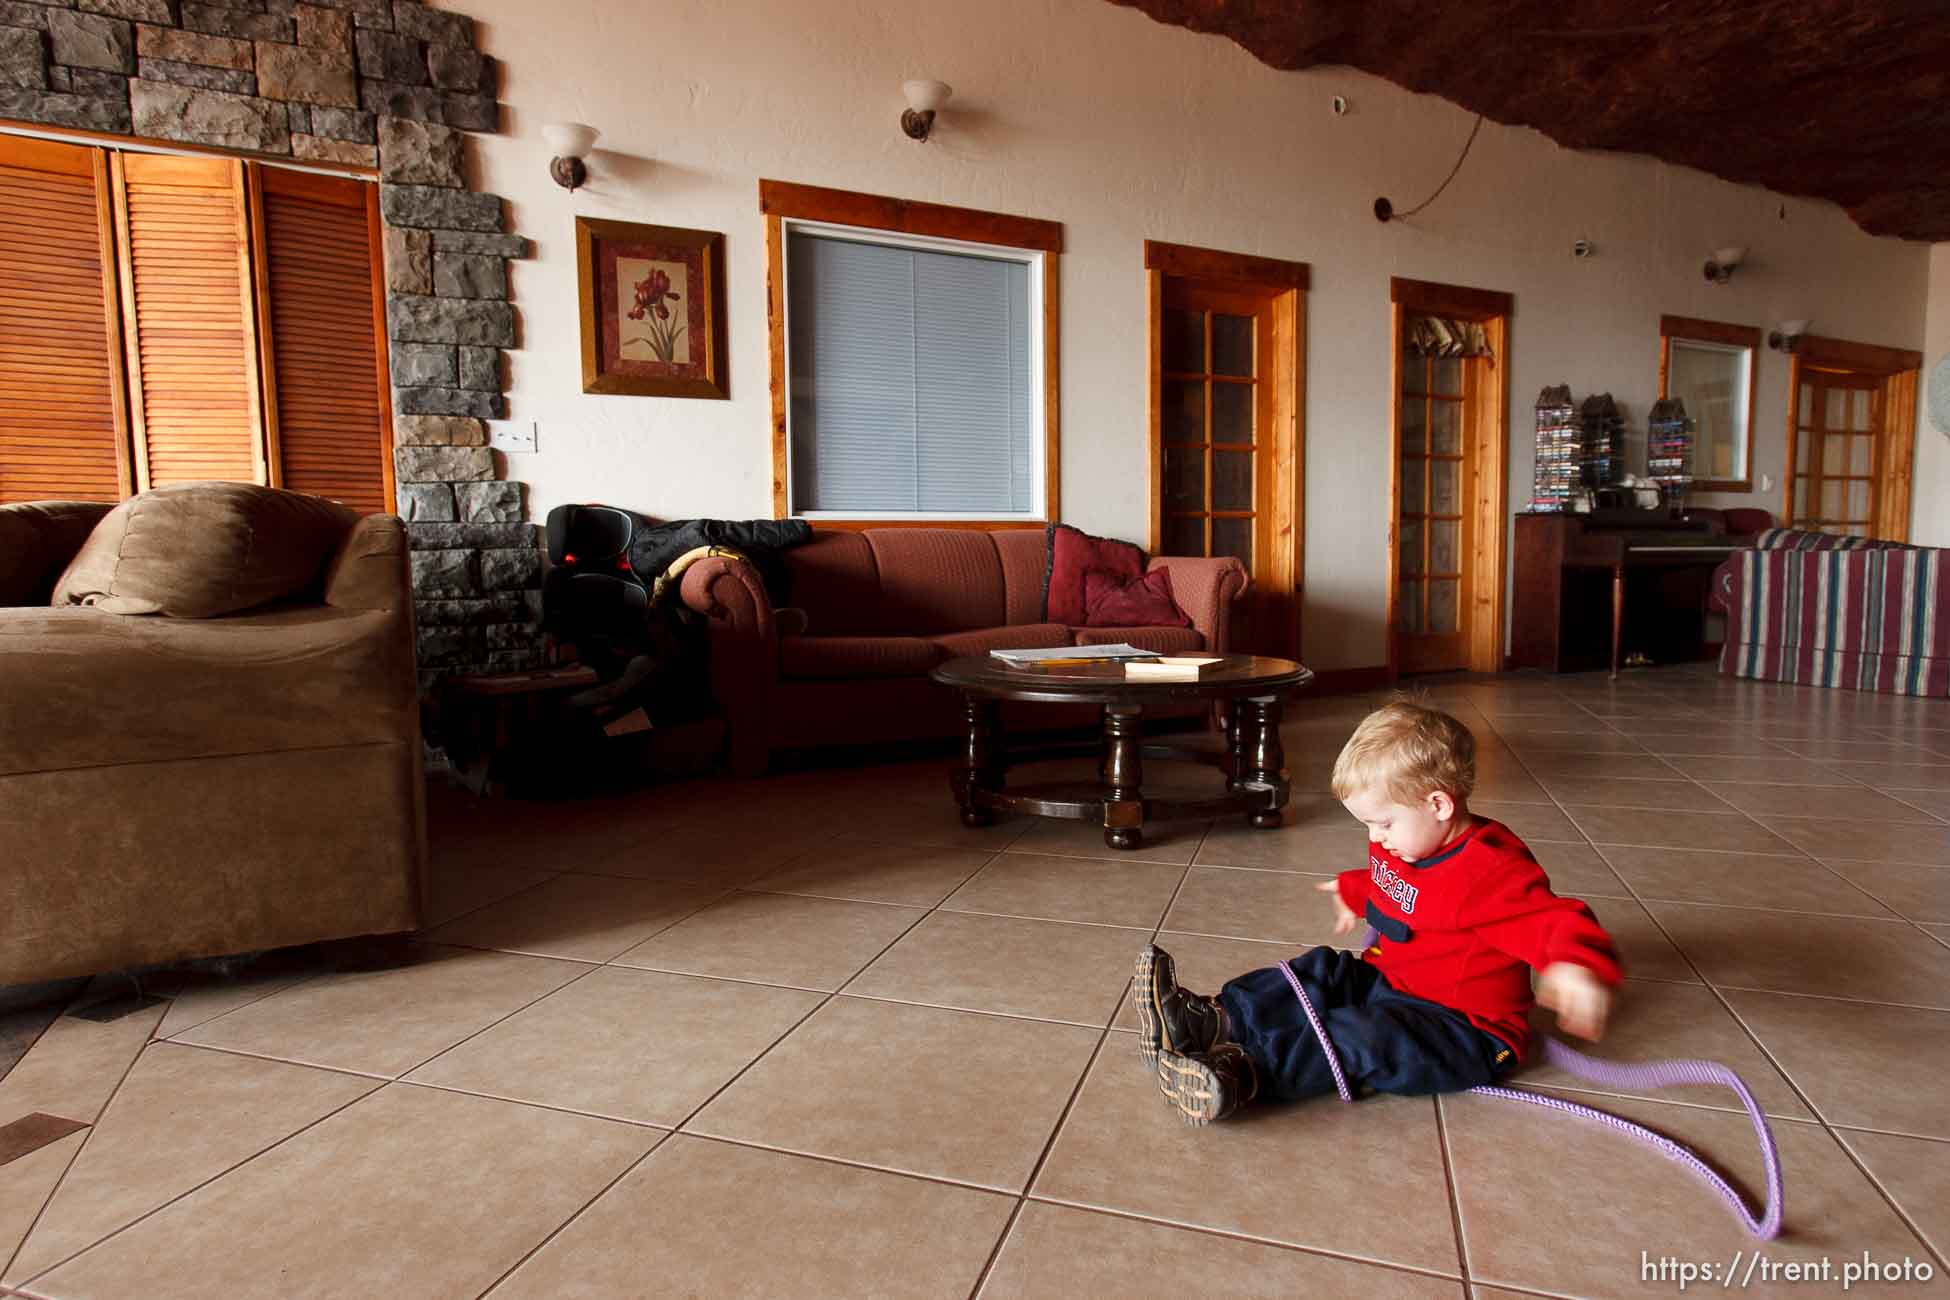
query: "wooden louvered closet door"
329, 428
63, 425
191, 328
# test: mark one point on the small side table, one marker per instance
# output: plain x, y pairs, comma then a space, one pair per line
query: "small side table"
482, 713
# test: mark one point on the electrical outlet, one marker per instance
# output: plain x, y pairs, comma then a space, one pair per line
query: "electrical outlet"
513, 435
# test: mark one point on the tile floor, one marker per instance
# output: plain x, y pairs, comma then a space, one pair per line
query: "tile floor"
809, 1036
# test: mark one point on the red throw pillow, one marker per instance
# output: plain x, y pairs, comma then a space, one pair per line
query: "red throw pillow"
1073, 553
1110, 600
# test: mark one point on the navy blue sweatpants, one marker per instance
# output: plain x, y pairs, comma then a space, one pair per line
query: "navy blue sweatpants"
1386, 1039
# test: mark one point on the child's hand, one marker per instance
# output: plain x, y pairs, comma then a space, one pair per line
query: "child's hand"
1344, 920
1579, 998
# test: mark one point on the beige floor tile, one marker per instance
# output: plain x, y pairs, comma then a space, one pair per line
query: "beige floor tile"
203, 996
385, 1022
1008, 965
1173, 842
722, 853
626, 1044
1059, 1251
1655, 1020
1633, 793
1550, 1202
1867, 751
75, 1065
583, 918
1378, 1163
1726, 832
1319, 844
1272, 906
1895, 776
1553, 765
1531, 822
410, 1191
1916, 1175
1645, 949
184, 1115
1577, 870
933, 823
1768, 802
811, 943
945, 1094
1788, 884
1867, 841
1919, 893
1779, 769
1514, 786
1071, 889
25, 1186
1793, 952
456, 886
825, 1229
1541, 747
1861, 1064
1715, 739
917, 876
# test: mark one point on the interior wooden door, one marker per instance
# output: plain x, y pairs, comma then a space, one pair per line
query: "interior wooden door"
1435, 451
1217, 465
1838, 452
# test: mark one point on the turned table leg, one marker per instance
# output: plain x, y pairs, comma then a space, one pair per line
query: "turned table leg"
1266, 756
1617, 614
1122, 773
982, 758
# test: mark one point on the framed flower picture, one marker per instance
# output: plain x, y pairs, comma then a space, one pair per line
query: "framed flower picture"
652, 309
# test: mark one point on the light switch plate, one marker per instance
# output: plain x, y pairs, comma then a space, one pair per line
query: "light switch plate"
513, 435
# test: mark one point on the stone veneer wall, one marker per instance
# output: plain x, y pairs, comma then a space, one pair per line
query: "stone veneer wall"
390, 84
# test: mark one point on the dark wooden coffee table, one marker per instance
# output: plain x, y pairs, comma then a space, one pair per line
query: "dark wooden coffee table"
1252, 758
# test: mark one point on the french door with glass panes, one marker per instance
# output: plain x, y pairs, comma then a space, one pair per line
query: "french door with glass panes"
1434, 452
1836, 461
1215, 417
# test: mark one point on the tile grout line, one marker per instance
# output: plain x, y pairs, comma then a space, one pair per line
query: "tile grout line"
1454, 1190
378, 1084
87, 1136
1768, 1055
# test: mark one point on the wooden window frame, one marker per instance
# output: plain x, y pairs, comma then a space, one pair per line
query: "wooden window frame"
1489, 470
1734, 336
780, 201
1899, 369
1284, 285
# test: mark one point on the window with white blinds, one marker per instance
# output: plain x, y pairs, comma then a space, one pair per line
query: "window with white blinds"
913, 377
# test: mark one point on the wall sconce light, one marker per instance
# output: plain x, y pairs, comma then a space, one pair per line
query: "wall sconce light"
1720, 265
570, 142
1787, 338
924, 98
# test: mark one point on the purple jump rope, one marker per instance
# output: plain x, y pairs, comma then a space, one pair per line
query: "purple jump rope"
1662, 1074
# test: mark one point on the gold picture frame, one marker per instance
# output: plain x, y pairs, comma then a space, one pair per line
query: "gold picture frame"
651, 304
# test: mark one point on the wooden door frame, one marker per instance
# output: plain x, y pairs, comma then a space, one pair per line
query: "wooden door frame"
1283, 285
1899, 370
1487, 468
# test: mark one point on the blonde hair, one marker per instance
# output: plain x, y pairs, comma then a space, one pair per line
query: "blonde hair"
1407, 751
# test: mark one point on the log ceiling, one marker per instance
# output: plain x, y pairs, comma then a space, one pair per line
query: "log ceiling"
1847, 100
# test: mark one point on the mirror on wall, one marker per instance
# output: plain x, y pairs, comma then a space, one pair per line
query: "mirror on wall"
1709, 365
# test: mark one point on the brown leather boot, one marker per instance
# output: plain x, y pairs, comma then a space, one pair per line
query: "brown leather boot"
1170, 1018
1208, 1085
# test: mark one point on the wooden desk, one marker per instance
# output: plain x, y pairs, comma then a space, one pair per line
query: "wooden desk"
1552, 549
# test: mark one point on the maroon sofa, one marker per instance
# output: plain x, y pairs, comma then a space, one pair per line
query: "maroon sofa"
881, 608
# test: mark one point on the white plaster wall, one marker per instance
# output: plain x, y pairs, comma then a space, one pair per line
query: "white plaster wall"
1122, 129
1930, 489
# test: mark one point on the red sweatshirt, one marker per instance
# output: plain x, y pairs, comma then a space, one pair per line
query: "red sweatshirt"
1460, 927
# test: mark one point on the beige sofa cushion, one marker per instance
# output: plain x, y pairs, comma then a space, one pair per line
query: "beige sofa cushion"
196, 550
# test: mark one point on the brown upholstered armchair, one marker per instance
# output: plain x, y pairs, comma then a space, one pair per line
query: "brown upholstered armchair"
180, 787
